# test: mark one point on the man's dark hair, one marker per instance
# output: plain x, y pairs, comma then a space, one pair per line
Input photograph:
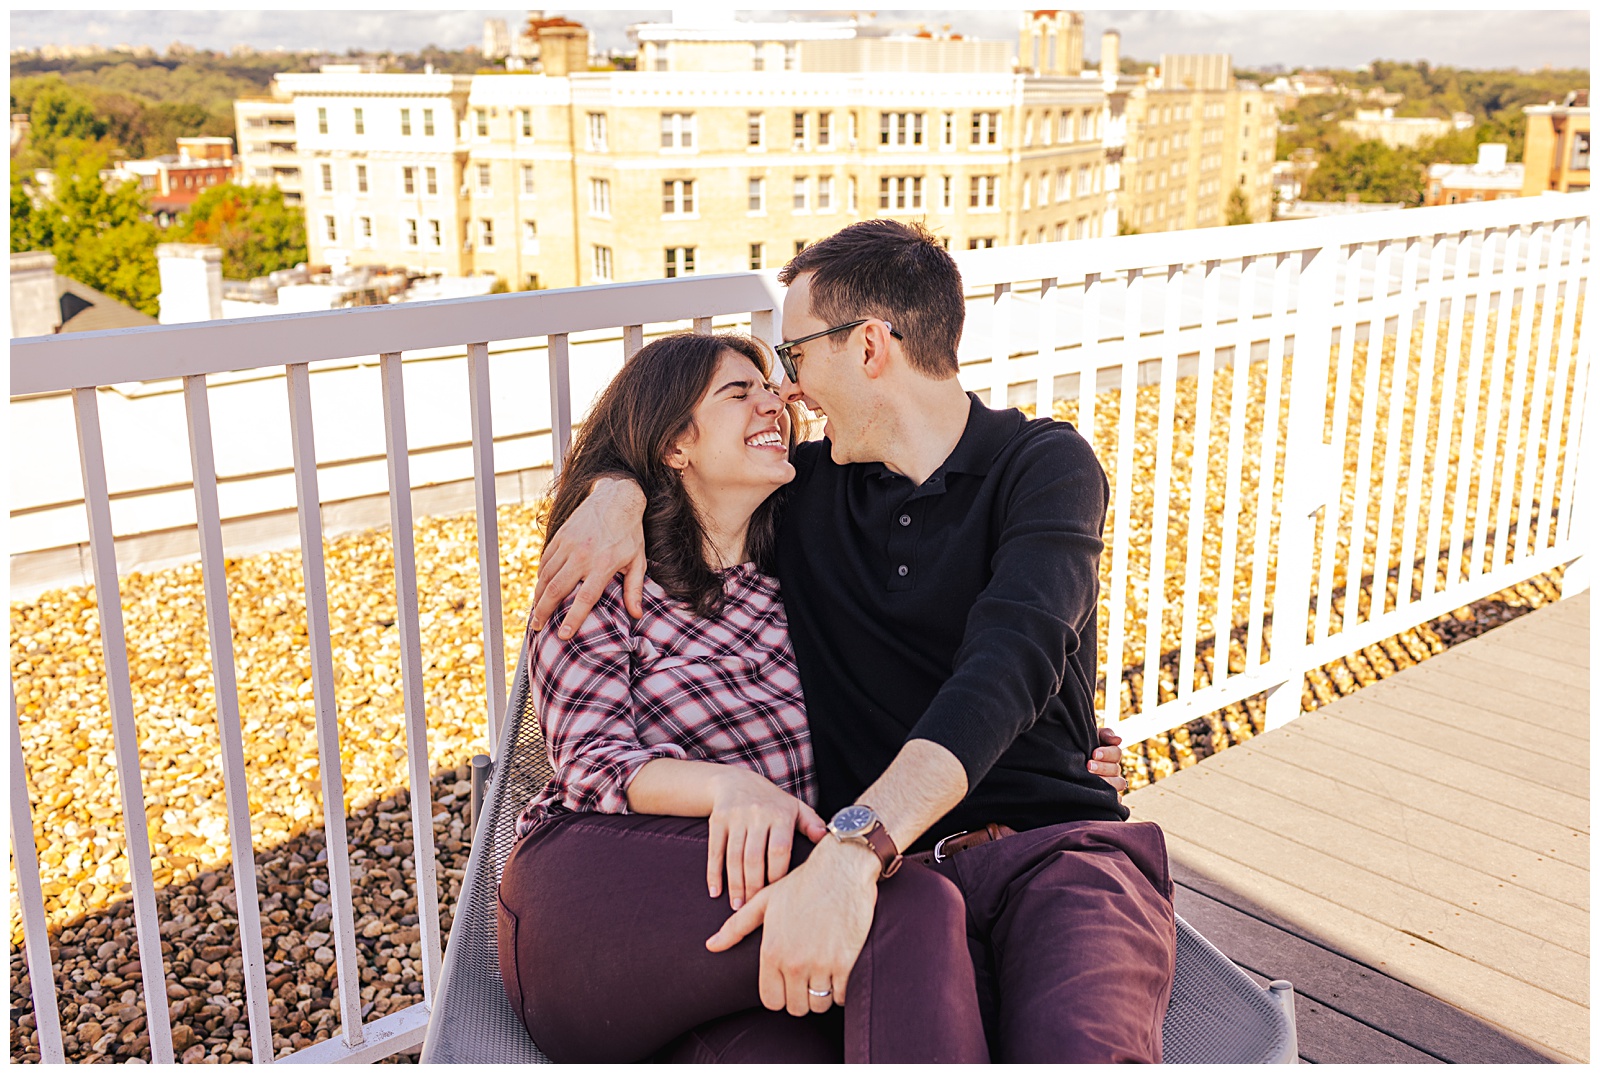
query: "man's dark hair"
898, 272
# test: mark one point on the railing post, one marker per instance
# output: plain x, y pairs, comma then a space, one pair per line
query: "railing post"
1581, 442
1306, 480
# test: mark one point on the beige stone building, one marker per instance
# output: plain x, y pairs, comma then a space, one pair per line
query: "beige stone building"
734, 146
1195, 135
268, 151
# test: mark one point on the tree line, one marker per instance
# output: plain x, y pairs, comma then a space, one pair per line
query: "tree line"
1375, 172
87, 112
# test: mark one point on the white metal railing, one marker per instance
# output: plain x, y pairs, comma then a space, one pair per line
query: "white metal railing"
1245, 344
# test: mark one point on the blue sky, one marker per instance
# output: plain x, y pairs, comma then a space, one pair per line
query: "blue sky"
1345, 37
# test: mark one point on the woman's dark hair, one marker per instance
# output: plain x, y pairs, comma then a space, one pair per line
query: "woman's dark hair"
646, 409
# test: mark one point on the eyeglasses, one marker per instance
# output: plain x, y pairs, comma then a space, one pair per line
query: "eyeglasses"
785, 350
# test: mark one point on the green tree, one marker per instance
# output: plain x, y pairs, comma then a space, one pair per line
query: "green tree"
257, 231
99, 234
1369, 170
1238, 208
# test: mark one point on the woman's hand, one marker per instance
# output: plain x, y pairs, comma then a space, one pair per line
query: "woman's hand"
1106, 760
752, 832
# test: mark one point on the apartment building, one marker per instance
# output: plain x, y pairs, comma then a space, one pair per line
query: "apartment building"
710, 165
1194, 135
1490, 179
269, 151
1556, 154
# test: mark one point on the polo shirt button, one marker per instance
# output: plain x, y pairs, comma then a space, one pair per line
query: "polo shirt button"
905, 520
904, 570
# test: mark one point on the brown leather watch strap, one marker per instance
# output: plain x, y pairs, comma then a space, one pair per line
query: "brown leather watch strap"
883, 846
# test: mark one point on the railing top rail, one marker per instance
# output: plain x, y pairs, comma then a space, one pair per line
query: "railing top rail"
90, 359
1072, 260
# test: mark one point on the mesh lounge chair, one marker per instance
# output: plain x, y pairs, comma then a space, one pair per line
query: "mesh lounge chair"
1218, 1014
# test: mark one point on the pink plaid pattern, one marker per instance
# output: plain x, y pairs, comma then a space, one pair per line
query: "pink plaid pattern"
621, 693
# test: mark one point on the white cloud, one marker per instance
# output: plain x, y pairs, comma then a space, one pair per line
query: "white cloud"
1305, 37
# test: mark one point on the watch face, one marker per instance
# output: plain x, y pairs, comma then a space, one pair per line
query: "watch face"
852, 820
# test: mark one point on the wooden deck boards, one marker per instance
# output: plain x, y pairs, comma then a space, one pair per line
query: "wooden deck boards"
1414, 858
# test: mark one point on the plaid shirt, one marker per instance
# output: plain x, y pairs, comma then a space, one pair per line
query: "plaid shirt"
622, 692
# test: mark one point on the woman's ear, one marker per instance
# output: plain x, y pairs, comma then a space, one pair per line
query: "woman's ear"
677, 458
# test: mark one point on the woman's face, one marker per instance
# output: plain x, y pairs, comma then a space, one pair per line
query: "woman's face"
740, 442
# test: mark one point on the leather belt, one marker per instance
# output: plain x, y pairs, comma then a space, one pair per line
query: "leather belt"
952, 845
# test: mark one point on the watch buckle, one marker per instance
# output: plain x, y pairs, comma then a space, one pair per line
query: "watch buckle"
938, 848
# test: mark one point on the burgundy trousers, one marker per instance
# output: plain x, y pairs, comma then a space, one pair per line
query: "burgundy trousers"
1059, 949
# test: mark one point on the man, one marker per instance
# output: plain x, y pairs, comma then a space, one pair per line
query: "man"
939, 564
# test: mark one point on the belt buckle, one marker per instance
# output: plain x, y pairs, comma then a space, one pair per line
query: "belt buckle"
938, 848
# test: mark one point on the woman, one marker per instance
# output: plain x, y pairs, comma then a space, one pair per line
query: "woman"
695, 711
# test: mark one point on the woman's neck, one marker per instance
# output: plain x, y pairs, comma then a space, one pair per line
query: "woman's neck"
726, 520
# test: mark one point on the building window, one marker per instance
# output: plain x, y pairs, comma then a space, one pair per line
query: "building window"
483, 179
980, 244
825, 129
947, 192
602, 262
366, 230
435, 234
1027, 192
758, 62
900, 192
802, 193
758, 255
322, 121
855, 128
526, 115
982, 192
1044, 190
799, 247
527, 178
824, 193
791, 56
600, 197
327, 177
1580, 152
677, 130
948, 130
755, 128
1064, 184
411, 233
361, 121
530, 237
405, 121
679, 261
758, 196
597, 143
480, 118
677, 197
427, 122
853, 193
986, 128
432, 175
361, 178
900, 128
408, 179
1064, 127
1083, 180
332, 228
486, 233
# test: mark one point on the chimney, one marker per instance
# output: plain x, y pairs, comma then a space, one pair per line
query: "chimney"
1492, 156
35, 306
1110, 58
563, 46
191, 282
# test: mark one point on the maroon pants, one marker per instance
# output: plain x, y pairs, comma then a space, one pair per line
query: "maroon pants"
1059, 948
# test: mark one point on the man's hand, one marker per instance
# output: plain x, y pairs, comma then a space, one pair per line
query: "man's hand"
752, 832
1106, 761
604, 536
815, 922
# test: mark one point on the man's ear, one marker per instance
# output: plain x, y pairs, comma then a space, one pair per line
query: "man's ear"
875, 341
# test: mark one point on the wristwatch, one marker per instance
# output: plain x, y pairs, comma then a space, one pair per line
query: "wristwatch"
858, 823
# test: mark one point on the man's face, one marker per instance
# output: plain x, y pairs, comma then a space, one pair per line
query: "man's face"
831, 383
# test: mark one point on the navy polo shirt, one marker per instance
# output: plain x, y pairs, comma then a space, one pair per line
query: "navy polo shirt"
962, 611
